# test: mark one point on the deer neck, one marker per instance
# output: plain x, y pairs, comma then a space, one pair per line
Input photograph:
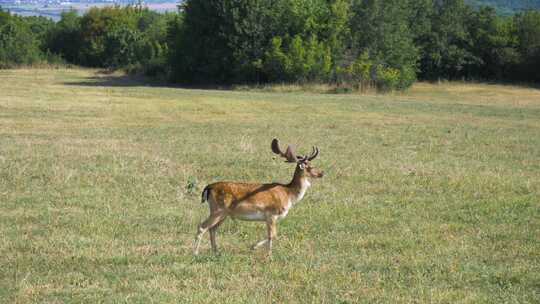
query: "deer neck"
298, 186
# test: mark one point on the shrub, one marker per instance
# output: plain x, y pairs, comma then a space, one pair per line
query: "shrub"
360, 72
364, 73
407, 77
387, 78
156, 67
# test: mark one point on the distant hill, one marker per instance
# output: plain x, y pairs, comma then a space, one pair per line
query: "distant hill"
507, 6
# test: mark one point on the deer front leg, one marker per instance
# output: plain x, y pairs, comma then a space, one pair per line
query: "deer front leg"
272, 231
210, 222
271, 234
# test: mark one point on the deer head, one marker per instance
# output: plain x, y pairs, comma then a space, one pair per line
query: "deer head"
303, 163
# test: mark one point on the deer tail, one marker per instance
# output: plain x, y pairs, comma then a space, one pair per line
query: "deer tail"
205, 194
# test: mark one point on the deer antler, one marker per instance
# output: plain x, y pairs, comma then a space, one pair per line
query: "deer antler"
314, 153
289, 153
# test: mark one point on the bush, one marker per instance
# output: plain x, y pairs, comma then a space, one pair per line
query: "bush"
156, 67
407, 77
360, 72
364, 74
387, 79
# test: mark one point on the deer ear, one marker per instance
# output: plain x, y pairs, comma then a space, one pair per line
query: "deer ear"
302, 166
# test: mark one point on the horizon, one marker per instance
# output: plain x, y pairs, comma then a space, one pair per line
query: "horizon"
54, 8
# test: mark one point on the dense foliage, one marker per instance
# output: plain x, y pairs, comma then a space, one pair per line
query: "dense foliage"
111, 37
507, 6
386, 44
21, 39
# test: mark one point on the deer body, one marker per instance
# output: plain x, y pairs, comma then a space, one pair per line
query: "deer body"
256, 202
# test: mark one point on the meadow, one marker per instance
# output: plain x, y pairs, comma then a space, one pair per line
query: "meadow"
430, 196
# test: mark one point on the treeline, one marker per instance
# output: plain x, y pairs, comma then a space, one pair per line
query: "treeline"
111, 37
386, 44
507, 6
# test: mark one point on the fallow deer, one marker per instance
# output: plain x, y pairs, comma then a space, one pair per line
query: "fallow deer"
257, 202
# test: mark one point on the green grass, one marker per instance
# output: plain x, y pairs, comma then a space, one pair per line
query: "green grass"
431, 196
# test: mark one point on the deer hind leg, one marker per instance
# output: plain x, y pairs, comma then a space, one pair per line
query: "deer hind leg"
213, 235
210, 222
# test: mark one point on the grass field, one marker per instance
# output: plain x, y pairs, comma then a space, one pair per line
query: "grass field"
431, 196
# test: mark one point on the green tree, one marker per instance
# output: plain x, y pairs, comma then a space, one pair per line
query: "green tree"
113, 37
381, 28
527, 27
65, 38
232, 40
40, 28
277, 65
203, 52
495, 45
18, 45
126, 46
95, 25
447, 47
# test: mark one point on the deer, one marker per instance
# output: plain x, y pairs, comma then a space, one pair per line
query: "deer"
255, 201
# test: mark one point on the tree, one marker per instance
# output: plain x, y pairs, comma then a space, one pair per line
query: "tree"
495, 45
381, 28
18, 45
125, 46
447, 48
527, 26
203, 52
65, 38
232, 40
